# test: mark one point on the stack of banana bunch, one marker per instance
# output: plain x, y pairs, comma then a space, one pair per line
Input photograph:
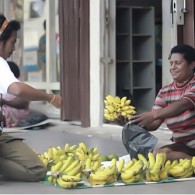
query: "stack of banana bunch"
133, 171
68, 165
104, 175
89, 156
55, 154
118, 110
182, 168
158, 168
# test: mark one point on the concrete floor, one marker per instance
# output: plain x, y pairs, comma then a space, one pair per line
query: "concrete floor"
108, 139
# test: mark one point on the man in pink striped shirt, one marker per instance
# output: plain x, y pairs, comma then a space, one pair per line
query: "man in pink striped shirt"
175, 105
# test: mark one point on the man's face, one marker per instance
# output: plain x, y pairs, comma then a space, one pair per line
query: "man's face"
180, 69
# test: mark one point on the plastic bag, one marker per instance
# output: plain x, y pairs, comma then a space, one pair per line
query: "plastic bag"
137, 140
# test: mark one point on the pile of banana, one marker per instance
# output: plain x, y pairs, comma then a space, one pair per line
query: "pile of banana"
158, 168
104, 175
118, 110
182, 169
68, 166
133, 171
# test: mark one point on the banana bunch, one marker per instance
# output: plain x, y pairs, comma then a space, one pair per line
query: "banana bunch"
52, 156
132, 172
156, 167
81, 151
104, 175
182, 169
118, 110
67, 181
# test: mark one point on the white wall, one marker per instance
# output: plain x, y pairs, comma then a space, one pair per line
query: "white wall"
169, 39
95, 71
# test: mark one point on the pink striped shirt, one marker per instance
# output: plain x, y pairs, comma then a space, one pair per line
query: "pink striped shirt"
183, 125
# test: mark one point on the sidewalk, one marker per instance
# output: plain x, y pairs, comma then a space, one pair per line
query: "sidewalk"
112, 132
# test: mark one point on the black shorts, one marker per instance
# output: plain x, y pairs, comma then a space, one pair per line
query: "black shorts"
179, 147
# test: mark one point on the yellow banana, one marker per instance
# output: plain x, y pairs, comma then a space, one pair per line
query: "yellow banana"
98, 176
95, 165
83, 146
81, 154
148, 175
123, 99
67, 147
66, 164
187, 163
111, 179
120, 165
158, 164
187, 173
95, 157
95, 150
50, 153
134, 179
151, 159
94, 182
193, 161
117, 99
125, 108
71, 178
127, 103
73, 148
129, 165
54, 153
63, 157
155, 177
164, 174
110, 108
176, 170
88, 164
76, 170
56, 167
65, 184
137, 167
143, 159
60, 150
128, 174
168, 163
71, 166
175, 162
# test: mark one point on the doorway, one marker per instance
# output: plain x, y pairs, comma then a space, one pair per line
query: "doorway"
139, 66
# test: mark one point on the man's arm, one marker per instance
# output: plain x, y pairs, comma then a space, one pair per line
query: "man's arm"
174, 109
153, 119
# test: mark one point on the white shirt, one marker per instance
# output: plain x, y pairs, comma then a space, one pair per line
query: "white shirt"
6, 76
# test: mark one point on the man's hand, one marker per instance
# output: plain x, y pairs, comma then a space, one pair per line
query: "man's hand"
143, 120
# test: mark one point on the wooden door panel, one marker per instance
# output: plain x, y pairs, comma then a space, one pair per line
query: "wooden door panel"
74, 60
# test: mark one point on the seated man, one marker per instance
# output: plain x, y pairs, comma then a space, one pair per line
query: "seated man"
16, 110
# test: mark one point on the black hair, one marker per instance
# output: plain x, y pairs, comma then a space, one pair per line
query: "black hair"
14, 68
12, 26
187, 51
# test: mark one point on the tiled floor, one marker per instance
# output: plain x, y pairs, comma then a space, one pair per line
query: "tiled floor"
108, 139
